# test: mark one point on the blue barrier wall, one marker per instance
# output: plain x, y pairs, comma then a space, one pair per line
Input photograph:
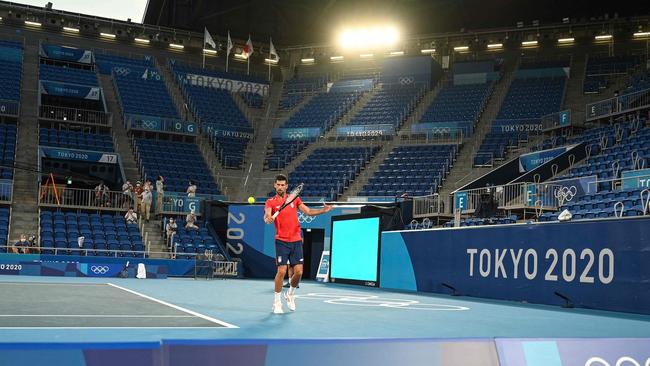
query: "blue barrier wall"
600, 264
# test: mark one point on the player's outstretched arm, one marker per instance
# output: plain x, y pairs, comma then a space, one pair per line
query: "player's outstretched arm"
314, 211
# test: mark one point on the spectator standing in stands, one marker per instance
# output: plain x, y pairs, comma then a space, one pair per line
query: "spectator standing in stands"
22, 245
101, 194
131, 217
160, 193
190, 221
191, 190
127, 189
147, 198
137, 191
170, 230
80, 242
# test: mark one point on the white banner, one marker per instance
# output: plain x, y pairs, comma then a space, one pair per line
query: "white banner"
234, 86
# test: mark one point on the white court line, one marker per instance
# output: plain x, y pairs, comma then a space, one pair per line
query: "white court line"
91, 316
217, 321
93, 328
50, 284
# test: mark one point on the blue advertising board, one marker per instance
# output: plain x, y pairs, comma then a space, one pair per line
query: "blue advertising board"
597, 264
78, 155
533, 126
574, 188
69, 90
366, 130
530, 161
633, 179
220, 132
254, 242
461, 201
444, 128
67, 53
296, 133
348, 86
154, 123
179, 202
17, 267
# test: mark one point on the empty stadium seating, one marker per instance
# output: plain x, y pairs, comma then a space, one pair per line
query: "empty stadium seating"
11, 66
458, 103
8, 149
328, 171
294, 90
417, 170
389, 105
323, 111
283, 151
141, 89
178, 162
75, 140
487, 221
253, 100
186, 243
102, 232
106, 63
67, 75
600, 69
217, 109
601, 205
4, 228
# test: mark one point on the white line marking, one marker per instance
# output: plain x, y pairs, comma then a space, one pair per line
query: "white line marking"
93, 328
50, 284
91, 316
217, 321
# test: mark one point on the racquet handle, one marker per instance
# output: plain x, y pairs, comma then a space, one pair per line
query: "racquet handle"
276, 214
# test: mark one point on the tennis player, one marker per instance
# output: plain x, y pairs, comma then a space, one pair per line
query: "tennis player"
288, 240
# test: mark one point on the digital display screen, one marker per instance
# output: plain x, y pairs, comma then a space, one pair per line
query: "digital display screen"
355, 249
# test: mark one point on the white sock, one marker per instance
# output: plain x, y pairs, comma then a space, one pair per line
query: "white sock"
291, 290
277, 296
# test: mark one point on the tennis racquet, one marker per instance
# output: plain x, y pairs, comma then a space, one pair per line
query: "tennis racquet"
290, 198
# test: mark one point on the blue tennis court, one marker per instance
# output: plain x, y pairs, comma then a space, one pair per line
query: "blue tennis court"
43, 309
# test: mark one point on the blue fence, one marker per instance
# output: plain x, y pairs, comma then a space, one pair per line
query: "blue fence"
67, 53
9, 108
296, 133
70, 90
366, 130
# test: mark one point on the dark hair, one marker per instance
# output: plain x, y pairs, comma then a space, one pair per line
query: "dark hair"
281, 177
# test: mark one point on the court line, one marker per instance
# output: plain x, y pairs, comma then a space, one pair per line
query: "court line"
91, 316
50, 284
202, 316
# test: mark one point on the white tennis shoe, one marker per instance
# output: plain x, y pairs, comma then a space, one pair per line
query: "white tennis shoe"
291, 301
277, 307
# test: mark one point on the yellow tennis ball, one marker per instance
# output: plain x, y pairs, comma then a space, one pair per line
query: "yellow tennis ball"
251, 199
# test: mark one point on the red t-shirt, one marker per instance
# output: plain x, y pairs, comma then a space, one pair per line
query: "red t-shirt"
287, 227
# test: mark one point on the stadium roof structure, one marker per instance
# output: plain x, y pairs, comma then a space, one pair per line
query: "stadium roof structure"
302, 22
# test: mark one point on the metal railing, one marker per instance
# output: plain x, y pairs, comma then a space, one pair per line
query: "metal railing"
618, 105
75, 115
63, 196
6, 191
556, 120
9, 107
524, 195
427, 206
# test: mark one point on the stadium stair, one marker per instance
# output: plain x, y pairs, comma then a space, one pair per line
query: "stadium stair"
368, 171
25, 203
155, 243
462, 171
422, 106
120, 136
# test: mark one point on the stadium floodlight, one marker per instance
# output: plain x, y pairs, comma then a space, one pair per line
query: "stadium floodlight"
176, 46
336, 58
366, 55
461, 48
32, 24
529, 43
603, 37
240, 56
208, 51
270, 61
71, 29
428, 51
641, 34
368, 38
107, 35
494, 46
141, 40
566, 40
309, 60
396, 53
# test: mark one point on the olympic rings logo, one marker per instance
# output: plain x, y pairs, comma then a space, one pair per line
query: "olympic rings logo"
123, 71
597, 361
360, 299
296, 135
149, 124
566, 194
99, 269
405, 80
305, 219
441, 130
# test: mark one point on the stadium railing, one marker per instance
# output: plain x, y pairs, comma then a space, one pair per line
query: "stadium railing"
425, 206
9, 108
523, 195
618, 105
75, 115
63, 196
6, 191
